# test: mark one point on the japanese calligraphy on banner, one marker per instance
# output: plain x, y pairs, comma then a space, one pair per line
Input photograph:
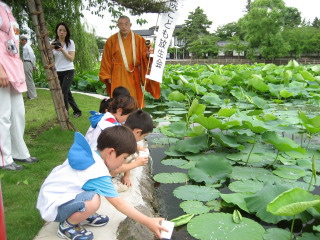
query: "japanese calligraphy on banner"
166, 28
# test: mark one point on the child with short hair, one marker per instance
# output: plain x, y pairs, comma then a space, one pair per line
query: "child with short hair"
141, 124
118, 111
71, 193
118, 91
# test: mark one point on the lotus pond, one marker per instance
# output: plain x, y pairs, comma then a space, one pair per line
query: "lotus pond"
239, 150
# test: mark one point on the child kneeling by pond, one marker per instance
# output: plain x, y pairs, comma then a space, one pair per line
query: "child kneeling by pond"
71, 193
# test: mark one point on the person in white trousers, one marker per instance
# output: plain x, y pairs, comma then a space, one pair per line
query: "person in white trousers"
12, 84
29, 65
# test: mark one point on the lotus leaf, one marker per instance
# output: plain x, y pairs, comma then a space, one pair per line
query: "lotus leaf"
276, 233
236, 199
289, 173
174, 162
176, 177
281, 143
210, 169
285, 94
259, 102
258, 202
192, 145
309, 236
227, 112
194, 207
197, 131
208, 122
306, 75
248, 186
198, 193
179, 129
258, 83
176, 96
196, 108
218, 80
293, 202
225, 140
213, 99
216, 226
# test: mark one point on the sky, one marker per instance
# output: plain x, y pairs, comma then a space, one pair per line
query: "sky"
220, 12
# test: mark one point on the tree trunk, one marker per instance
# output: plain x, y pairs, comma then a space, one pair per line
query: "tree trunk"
35, 8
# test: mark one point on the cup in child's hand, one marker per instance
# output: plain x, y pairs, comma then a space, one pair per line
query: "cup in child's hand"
169, 226
143, 154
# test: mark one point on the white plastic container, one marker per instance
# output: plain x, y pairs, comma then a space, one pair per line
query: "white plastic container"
169, 226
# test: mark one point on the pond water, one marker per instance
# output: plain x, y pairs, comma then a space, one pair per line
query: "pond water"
169, 204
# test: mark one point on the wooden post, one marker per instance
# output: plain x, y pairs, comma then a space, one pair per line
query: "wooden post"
35, 8
3, 235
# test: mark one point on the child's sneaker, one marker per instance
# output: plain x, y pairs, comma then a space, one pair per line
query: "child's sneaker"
96, 220
73, 232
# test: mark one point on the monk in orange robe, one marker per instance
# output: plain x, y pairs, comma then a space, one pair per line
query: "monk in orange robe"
125, 63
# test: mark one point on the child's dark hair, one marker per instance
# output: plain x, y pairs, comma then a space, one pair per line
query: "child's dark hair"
127, 103
120, 91
105, 103
120, 138
141, 120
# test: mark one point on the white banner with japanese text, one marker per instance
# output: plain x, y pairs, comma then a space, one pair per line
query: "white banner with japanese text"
163, 38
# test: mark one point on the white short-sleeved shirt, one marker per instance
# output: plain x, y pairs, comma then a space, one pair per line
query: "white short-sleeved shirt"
61, 62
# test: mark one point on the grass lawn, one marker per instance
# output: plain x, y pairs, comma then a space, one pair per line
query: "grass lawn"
50, 145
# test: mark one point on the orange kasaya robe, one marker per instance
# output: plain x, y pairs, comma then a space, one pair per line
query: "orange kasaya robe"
112, 67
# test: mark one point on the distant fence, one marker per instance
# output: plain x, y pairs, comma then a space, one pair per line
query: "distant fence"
225, 61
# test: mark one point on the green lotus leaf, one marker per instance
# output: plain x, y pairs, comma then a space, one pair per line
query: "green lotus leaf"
218, 80
216, 226
176, 96
208, 122
198, 193
172, 151
210, 169
259, 102
192, 145
245, 173
176, 177
179, 129
293, 202
236, 199
309, 236
285, 94
289, 173
196, 108
227, 112
258, 202
276, 233
213, 99
214, 205
256, 126
197, 131
316, 228
194, 207
257, 83
225, 140
306, 75
281, 143
174, 162
248, 186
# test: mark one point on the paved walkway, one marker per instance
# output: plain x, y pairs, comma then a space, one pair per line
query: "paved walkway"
108, 232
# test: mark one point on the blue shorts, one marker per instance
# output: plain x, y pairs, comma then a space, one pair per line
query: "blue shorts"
75, 205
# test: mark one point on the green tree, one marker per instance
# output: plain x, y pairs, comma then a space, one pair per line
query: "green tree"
316, 23
262, 27
236, 44
228, 30
204, 46
195, 27
292, 17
